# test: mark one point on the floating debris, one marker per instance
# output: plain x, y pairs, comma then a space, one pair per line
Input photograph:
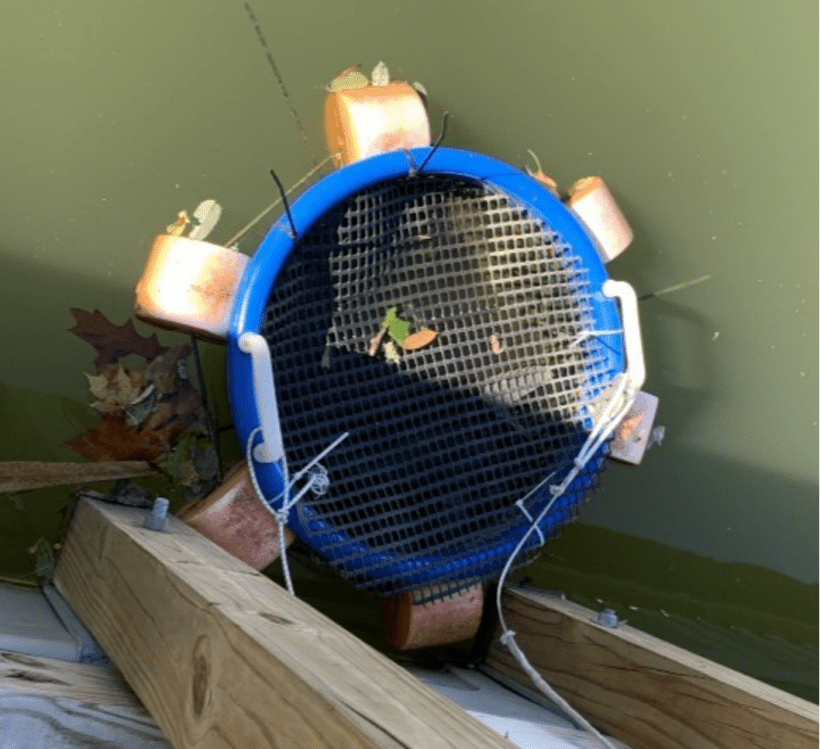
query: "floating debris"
375, 341
539, 175
180, 226
206, 216
349, 78
495, 345
656, 437
421, 91
399, 329
390, 353
380, 75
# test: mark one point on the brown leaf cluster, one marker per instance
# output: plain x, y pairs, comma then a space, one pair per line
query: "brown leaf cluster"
142, 411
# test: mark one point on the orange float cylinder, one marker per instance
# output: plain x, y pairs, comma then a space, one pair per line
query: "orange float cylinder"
190, 285
452, 617
362, 122
233, 518
593, 203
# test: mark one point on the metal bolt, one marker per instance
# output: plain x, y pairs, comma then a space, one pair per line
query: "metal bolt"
158, 519
608, 618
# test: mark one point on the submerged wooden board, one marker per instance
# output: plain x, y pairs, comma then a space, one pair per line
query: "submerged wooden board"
223, 657
24, 475
63, 705
644, 691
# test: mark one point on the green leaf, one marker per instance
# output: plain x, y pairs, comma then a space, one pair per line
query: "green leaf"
397, 328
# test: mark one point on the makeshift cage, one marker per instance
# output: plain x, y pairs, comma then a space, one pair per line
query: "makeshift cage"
445, 325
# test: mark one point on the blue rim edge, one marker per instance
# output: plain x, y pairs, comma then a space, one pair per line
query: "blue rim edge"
254, 291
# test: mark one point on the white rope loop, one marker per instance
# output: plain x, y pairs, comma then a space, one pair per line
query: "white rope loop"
318, 482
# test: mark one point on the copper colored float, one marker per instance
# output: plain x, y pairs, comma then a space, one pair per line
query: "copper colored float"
449, 618
362, 122
189, 285
592, 202
234, 519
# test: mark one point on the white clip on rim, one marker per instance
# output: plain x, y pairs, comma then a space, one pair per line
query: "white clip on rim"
270, 450
635, 369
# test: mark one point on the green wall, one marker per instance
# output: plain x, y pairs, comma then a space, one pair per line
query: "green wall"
701, 117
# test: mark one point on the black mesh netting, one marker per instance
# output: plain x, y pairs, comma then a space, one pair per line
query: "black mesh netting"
446, 437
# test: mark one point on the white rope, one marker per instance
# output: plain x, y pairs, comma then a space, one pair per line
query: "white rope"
318, 482
616, 409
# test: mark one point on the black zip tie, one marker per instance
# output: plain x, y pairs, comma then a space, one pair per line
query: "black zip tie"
295, 234
436, 144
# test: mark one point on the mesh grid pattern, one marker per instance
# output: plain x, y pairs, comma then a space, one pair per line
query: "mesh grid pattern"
446, 438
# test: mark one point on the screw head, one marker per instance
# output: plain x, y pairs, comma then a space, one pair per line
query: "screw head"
158, 518
607, 618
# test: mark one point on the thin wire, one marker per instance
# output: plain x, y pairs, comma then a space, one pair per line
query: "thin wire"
584, 334
256, 219
277, 516
676, 287
263, 42
209, 425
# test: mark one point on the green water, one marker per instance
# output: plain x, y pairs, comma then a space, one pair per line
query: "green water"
701, 117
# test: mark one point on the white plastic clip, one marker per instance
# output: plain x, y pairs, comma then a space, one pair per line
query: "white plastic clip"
633, 347
270, 450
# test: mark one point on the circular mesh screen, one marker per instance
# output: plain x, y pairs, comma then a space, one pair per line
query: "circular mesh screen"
440, 325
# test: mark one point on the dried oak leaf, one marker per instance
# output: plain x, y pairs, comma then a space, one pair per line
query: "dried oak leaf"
112, 439
113, 390
112, 341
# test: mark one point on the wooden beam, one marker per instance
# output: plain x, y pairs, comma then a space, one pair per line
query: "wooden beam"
642, 690
23, 475
46, 702
223, 657
26, 674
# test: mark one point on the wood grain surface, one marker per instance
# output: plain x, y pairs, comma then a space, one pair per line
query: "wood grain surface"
644, 691
63, 705
223, 657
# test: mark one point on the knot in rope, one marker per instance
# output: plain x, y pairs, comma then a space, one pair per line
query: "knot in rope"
507, 638
319, 480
